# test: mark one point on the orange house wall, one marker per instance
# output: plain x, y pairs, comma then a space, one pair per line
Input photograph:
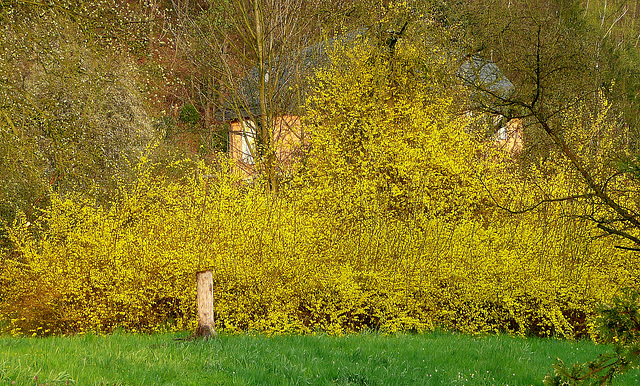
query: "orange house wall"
514, 142
287, 138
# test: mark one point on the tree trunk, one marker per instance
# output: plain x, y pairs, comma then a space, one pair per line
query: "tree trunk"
206, 325
265, 151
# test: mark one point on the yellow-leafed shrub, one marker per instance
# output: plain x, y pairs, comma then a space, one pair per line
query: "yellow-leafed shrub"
390, 226
384, 128
278, 268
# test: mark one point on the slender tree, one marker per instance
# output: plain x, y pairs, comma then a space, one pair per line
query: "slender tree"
554, 57
253, 47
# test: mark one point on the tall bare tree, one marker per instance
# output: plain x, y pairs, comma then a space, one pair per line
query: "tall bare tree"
253, 49
554, 57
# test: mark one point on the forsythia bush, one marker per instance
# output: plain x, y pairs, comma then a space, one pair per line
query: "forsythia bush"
389, 226
279, 268
384, 128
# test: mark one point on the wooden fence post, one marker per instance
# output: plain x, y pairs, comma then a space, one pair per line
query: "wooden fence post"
206, 325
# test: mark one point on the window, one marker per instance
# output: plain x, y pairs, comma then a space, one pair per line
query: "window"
503, 133
248, 147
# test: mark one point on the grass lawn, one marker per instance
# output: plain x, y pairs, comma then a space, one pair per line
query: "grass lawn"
363, 359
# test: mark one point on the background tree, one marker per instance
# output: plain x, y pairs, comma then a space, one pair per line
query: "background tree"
617, 24
554, 57
254, 45
73, 114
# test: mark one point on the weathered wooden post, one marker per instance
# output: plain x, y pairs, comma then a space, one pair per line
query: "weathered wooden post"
206, 324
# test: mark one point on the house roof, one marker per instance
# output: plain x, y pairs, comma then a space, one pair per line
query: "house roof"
475, 72
290, 75
486, 76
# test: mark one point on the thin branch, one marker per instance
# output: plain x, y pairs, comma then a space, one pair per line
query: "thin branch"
616, 21
619, 233
627, 248
533, 207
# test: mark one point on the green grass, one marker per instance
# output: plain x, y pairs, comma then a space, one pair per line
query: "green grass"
364, 359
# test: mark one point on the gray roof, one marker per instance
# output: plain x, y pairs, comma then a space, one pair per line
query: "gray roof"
291, 74
288, 92
485, 76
